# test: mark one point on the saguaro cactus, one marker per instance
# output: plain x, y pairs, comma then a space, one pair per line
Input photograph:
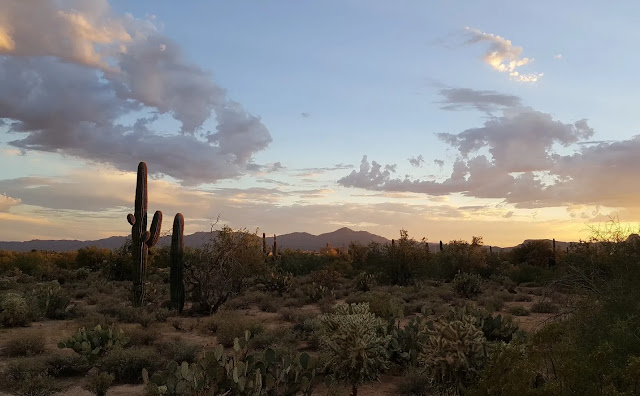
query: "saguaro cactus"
275, 246
176, 275
264, 243
141, 239
441, 246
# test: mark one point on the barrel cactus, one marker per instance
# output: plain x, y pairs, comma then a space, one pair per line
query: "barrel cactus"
141, 239
176, 275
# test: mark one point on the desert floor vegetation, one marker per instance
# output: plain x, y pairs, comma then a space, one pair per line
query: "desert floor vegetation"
376, 320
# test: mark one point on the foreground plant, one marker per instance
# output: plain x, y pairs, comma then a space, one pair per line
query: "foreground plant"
355, 342
142, 239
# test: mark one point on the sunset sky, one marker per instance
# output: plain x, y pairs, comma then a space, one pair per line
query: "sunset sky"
506, 120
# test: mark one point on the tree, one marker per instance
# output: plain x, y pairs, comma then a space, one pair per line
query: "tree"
222, 268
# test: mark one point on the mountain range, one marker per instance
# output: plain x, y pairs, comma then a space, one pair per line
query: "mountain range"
295, 240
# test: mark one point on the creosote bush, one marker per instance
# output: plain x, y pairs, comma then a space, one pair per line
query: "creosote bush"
26, 344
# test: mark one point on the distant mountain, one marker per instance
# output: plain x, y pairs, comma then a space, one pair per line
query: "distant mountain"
295, 240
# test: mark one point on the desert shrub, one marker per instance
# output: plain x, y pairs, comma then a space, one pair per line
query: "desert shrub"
146, 319
268, 305
142, 337
315, 292
65, 365
492, 303
522, 297
229, 325
95, 342
525, 273
544, 307
126, 364
51, 300
365, 282
414, 382
237, 372
99, 383
14, 311
467, 285
19, 370
355, 343
37, 385
380, 304
28, 344
326, 277
277, 282
222, 268
120, 310
518, 310
179, 350
454, 351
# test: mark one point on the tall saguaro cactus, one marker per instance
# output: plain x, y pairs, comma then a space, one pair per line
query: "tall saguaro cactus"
176, 275
275, 246
142, 239
264, 243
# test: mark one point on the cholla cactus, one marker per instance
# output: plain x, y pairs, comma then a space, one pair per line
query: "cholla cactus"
454, 350
356, 344
14, 311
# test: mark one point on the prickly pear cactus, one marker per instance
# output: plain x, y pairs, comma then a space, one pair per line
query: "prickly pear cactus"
94, 343
237, 372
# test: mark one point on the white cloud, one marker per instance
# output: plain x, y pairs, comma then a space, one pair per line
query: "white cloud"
502, 55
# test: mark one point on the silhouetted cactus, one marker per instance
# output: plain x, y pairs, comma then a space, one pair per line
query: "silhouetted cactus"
141, 239
275, 245
441, 246
176, 275
264, 243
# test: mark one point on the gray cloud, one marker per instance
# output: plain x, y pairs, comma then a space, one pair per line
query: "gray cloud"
522, 167
439, 162
416, 161
67, 86
485, 101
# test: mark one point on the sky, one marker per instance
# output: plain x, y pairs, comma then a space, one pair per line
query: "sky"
509, 121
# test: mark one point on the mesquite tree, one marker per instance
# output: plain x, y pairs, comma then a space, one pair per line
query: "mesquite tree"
141, 239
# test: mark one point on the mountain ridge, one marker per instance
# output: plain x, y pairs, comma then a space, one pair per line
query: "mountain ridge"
294, 240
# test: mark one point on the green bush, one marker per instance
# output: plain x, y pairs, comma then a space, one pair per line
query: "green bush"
179, 350
229, 325
25, 345
355, 342
544, 307
519, 311
37, 385
414, 382
381, 304
51, 301
126, 364
14, 311
467, 285
99, 383
142, 337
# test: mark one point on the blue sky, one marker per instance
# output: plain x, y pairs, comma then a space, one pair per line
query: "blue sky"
329, 82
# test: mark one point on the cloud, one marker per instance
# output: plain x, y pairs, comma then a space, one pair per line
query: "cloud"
305, 114
67, 86
416, 161
307, 172
439, 162
502, 55
557, 56
514, 158
485, 101
6, 202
